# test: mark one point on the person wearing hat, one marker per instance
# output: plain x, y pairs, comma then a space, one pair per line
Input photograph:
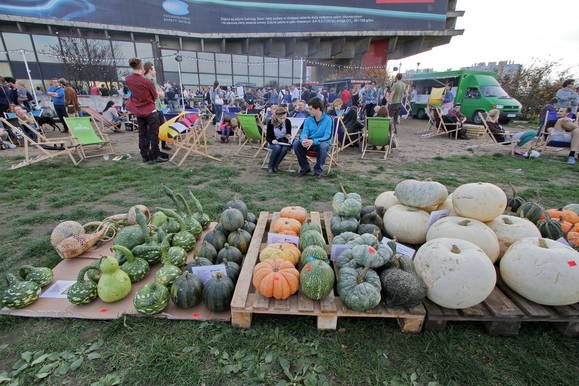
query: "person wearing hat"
278, 133
456, 118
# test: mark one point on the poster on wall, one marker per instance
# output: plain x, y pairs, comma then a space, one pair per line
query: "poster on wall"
232, 17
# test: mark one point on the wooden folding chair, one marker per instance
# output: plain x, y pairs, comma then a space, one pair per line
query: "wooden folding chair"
193, 142
101, 120
437, 126
296, 127
332, 158
92, 142
544, 139
45, 148
252, 130
345, 138
377, 133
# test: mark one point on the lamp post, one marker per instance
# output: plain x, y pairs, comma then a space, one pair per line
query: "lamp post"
179, 59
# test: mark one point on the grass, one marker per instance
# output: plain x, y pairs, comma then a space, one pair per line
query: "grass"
275, 350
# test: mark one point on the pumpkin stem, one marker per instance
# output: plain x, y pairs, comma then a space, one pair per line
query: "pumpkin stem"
543, 243
455, 249
362, 275
507, 221
343, 189
513, 189
464, 223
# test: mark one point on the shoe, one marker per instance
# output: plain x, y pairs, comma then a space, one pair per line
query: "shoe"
159, 160
318, 176
165, 147
303, 173
145, 159
571, 160
271, 170
163, 155
11, 145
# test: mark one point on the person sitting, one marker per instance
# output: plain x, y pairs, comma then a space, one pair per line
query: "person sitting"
382, 111
300, 110
4, 142
455, 119
548, 108
112, 115
496, 129
566, 130
278, 133
335, 108
225, 129
316, 136
26, 121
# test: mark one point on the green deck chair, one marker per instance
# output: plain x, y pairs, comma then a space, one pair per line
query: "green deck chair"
88, 136
377, 133
248, 124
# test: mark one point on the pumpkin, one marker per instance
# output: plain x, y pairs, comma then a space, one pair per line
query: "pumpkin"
251, 217
216, 238
276, 278
311, 238
543, 271
239, 205
286, 226
64, 230
308, 226
198, 261
426, 195
467, 229
514, 202
481, 201
510, 229
530, 211
565, 214
295, 212
457, 273
151, 298
344, 238
186, 290
573, 207
371, 229
367, 256
365, 239
167, 274
230, 253
232, 269
407, 224
218, 292
231, 219
207, 250
341, 224
40, 275
317, 280
573, 238
313, 252
359, 288
249, 227
135, 267
239, 239
284, 251
551, 228
82, 291
384, 201
372, 218
114, 284
20, 293
447, 205
347, 205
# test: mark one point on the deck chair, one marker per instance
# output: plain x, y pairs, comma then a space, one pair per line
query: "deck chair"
296, 127
332, 158
249, 126
101, 120
544, 139
344, 137
193, 141
88, 137
377, 133
483, 117
45, 149
437, 126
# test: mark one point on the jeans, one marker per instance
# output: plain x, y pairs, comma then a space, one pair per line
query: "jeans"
322, 152
277, 155
62, 113
149, 136
217, 109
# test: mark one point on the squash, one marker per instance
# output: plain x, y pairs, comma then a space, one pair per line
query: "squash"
317, 280
344, 238
20, 293
515, 201
64, 230
216, 238
573, 207
457, 273
114, 283
467, 229
371, 229
359, 288
550, 228
40, 275
347, 205
167, 274
135, 267
284, 251
232, 269
151, 249
231, 219
230, 253
176, 256
251, 217
82, 291
384, 201
198, 261
151, 298
372, 218
407, 224
249, 227
186, 237
296, 212
308, 225
447, 205
239, 239
133, 235
78, 244
206, 249
426, 195
311, 238
276, 278
366, 239
132, 214
239, 205
159, 219
510, 229
218, 292
367, 256
346, 259
573, 238
481, 201
530, 211
186, 291
286, 226
313, 252
341, 224
543, 271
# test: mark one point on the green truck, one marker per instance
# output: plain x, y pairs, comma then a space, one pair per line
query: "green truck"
474, 90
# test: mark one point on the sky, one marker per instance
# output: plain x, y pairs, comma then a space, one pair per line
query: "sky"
516, 30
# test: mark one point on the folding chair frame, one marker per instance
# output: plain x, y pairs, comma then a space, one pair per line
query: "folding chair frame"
436, 125
100, 119
104, 143
365, 142
193, 142
248, 135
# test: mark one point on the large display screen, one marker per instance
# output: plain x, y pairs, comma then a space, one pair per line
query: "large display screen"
242, 17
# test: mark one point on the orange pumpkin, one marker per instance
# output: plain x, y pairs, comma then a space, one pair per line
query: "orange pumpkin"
276, 278
566, 225
573, 238
575, 228
567, 215
295, 212
284, 251
286, 226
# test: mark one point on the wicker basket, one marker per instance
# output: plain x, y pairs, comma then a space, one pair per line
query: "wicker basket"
475, 131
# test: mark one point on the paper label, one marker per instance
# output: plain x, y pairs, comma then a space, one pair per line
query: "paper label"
279, 238
563, 241
205, 272
338, 249
401, 248
58, 290
437, 215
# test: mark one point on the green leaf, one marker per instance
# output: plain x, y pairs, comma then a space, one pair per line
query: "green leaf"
77, 363
62, 369
95, 346
3, 346
93, 355
27, 356
268, 357
19, 365
285, 365
225, 355
42, 375
40, 359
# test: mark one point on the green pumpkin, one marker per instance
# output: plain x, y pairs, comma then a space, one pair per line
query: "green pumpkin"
372, 218
344, 238
365, 239
347, 205
367, 256
232, 270
151, 299
514, 203
311, 238
359, 288
203, 219
309, 226
239, 205
317, 280
184, 239
197, 261
346, 259
313, 252
231, 219
530, 211
159, 219
40, 275
207, 250
83, 291
20, 293
135, 267
239, 239
216, 238
549, 228
129, 237
251, 217
230, 253
167, 274
186, 290
249, 227
218, 292
401, 285
371, 229
341, 224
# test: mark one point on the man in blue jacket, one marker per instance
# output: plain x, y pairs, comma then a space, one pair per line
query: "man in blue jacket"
56, 91
317, 136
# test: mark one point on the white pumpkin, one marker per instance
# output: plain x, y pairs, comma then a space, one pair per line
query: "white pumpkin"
510, 229
407, 224
543, 271
447, 204
385, 200
466, 229
457, 273
481, 201
427, 195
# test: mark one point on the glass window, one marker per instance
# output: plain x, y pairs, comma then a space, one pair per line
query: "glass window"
123, 51
272, 81
206, 62
17, 42
239, 64
122, 72
206, 79
298, 68
46, 48
472, 93
240, 79
190, 79
5, 69
2, 56
224, 80
255, 65
271, 67
189, 62
285, 82
169, 63
144, 51
223, 62
285, 67
258, 80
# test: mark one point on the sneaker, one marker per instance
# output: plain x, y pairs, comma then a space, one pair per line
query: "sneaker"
318, 176
11, 145
159, 160
571, 160
303, 173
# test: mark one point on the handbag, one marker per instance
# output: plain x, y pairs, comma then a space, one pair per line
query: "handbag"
218, 99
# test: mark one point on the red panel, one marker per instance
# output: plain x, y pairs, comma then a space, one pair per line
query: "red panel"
377, 54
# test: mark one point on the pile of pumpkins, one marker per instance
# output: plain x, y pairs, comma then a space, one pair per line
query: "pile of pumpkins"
276, 275
457, 253
24, 285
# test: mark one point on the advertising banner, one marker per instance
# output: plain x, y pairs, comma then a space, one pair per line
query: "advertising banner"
242, 17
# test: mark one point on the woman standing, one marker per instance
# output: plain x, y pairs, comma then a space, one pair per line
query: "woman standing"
566, 96
151, 73
217, 96
278, 133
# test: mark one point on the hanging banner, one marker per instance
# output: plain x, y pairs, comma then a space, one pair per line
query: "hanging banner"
233, 17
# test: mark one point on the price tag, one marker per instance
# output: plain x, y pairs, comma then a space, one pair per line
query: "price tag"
204, 272
337, 250
58, 290
563, 241
401, 248
437, 215
279, 238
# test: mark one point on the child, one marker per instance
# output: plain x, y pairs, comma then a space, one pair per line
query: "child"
225, 129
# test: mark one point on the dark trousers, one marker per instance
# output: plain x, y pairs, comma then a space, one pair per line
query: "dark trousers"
394, 112
149, 136
61, 112
370, 109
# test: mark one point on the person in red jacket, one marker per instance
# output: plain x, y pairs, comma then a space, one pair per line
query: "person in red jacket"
346, 96
142, 105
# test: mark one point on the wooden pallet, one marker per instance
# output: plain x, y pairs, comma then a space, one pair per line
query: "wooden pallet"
246, 301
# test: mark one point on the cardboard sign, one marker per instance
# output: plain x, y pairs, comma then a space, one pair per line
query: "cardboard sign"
401, 248
279, 238
206, 271
58, 290
338, 249
437, 215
